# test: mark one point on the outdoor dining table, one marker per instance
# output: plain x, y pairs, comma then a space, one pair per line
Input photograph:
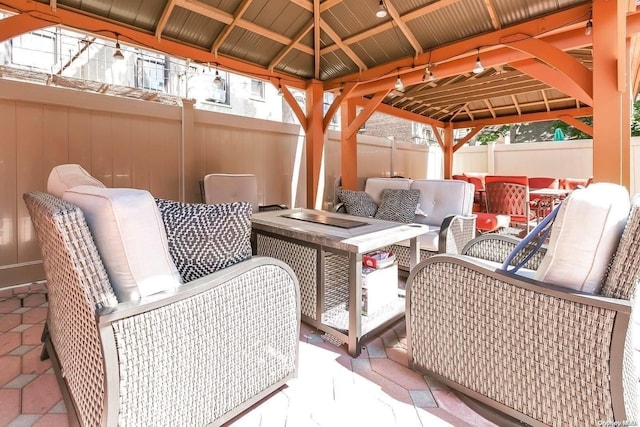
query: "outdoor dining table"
548, 199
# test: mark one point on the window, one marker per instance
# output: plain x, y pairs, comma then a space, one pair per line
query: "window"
257, 89
34, 50
150, 72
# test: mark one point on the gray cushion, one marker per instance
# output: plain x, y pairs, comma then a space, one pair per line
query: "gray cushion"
398, 205
358, 203
206, 238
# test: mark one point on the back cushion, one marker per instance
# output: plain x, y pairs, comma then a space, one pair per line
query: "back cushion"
206, 238
584, 237
64, 177
440, 198
374, 186
357, 203
130, 237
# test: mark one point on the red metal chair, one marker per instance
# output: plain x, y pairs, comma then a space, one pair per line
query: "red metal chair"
509, 195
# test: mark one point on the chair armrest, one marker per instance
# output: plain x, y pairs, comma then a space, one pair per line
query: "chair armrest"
223, 339
455, 232
340, 208
497, 247
272, 207
487, 333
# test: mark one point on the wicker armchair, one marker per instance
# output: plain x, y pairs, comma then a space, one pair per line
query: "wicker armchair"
196, 355
539, 353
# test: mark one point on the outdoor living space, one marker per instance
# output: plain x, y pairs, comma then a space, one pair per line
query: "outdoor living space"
332, 388
223, 315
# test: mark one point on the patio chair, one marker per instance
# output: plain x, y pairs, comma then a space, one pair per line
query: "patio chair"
196, 353
509, 195
226, 188
557, 344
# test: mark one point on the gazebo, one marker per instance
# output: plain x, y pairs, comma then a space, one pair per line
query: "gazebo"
446, 63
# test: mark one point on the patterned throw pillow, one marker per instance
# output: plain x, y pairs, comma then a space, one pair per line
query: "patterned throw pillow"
358, 203
398, 205
206, 238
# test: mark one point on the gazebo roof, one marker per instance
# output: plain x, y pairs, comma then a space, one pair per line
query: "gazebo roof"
344, 45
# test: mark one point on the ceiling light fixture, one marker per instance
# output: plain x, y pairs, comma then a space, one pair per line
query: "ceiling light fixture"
118, 53
399, 85
279, 88
428, 74
589, 27
478, 68
382, 10
217, 80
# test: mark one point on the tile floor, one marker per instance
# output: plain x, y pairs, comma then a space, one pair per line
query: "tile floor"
332, 388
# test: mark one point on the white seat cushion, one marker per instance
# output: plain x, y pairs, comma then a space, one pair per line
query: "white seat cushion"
440, 198
64, 177
130, 237
584, 236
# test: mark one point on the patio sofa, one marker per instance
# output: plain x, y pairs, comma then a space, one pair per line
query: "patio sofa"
444, 205
158, 313
554, 343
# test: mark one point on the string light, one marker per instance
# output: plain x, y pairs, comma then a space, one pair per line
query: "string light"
382, 10
589, 27
399, 85
478, 68
217, 80
117, 55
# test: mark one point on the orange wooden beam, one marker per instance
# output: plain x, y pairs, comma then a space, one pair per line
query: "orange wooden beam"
562, 69
474, 131
20, 24
438, 136
607, 105
522, 118
314, 144
108, 29
402, 114
364, 115
348, 147
553, 78
293, 103
344, 93
448, 150
572, 121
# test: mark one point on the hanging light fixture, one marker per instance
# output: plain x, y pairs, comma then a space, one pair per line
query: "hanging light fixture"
217, 80
589, 27
478, 68
382, 10
428, 74
279, 88
399, 85
117, 55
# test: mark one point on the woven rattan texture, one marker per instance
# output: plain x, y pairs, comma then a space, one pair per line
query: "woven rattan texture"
76, 283
502, 342
622, 282
402, 255
460, 231
498, 248
302, 260
233, 341
336, 281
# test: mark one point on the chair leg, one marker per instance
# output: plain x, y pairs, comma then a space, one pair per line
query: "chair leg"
44, 354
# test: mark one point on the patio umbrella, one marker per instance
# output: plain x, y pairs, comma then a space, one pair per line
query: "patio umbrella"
558, 135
